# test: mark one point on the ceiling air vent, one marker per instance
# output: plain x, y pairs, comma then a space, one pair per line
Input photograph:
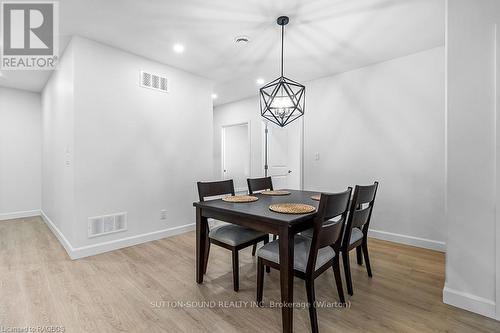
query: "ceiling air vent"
106, 224
241, 40
154, 81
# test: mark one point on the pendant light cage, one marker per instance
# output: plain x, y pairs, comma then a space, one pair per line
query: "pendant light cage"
282, 100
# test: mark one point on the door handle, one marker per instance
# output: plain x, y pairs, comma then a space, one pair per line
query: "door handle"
289, 171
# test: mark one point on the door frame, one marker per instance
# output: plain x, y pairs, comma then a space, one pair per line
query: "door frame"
223, 150
301, 149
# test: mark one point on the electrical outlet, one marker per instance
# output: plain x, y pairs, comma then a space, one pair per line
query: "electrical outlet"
163, 214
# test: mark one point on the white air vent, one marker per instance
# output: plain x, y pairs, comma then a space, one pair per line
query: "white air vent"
107, 224
154, 81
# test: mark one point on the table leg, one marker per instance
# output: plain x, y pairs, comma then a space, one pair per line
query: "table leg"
201, 244
286, 240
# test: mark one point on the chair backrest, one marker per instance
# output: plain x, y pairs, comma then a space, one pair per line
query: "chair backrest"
361, 211
259, 184
329, 224
212, 189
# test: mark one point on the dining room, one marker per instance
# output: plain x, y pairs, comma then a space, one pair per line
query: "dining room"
242, 166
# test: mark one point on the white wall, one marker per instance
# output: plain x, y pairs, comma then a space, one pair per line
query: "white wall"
20, 153
472, 277
58, 179
383, 122
135, 150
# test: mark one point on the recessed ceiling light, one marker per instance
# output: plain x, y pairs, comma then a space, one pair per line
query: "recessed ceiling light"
178, 48
260, 81
214, 96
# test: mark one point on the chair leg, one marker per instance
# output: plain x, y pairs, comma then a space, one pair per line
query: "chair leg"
236, 271
338, 279
347, 271
311, 299
367, 258
268, 269
254, 249
260, 280
207, 251
359, 255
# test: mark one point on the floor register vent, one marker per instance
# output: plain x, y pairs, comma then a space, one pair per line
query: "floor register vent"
107, 224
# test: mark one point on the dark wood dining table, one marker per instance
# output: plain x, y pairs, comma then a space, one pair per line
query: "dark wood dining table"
257, 215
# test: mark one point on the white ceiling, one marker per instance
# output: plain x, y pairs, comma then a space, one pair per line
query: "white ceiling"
324, 36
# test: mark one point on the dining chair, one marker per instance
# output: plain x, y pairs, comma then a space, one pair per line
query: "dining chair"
229, 236
259, 185
356, 232
315, 255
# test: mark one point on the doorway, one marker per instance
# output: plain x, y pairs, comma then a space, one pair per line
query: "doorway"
236, 154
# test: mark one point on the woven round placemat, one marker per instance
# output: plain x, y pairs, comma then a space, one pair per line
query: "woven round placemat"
316, 197
292, 208
240, 198
276, 192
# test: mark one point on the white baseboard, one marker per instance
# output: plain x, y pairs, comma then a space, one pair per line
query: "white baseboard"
408, 240
90, 250
470, 302
59, 235
19, 215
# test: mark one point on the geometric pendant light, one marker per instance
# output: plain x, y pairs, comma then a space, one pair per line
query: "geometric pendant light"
282, 100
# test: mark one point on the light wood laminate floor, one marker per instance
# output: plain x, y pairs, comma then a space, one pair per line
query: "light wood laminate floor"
128, 290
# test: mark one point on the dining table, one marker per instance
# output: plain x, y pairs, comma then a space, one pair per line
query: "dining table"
258, 216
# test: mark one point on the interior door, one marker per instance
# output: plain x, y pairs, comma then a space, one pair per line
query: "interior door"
285, 154
236, 155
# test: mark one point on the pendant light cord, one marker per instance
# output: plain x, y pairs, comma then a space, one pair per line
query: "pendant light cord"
282, 43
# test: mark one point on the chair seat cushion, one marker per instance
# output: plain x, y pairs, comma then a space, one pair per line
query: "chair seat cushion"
270, 252
234, 235
356, 235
